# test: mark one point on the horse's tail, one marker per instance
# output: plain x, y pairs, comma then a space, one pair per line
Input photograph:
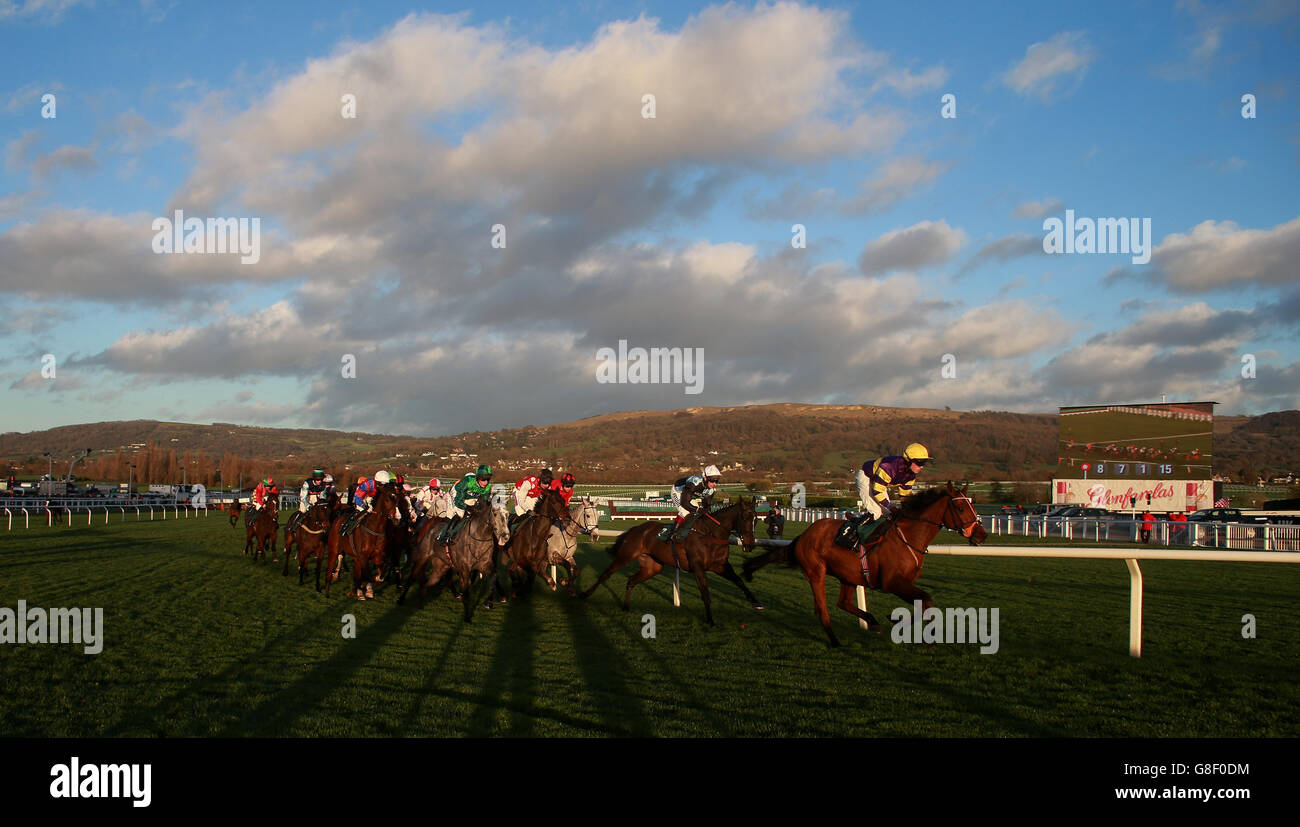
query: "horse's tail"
612, 551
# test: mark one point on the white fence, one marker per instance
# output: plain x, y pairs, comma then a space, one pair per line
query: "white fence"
1240, 536
92, 512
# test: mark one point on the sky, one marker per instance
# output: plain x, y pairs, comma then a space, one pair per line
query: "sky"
462, 211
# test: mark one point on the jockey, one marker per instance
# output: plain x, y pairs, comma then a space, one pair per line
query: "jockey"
876, 478
432, 500
565, 486
529, 489
367, 488
692, 495
313, 490
263, 493
329, 486
470, 489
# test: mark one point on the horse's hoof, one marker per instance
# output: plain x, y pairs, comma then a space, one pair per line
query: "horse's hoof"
876, 628
488, 605
759, 607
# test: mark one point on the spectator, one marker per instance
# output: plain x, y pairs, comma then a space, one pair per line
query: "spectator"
1178, 533
1148, 523
775, 522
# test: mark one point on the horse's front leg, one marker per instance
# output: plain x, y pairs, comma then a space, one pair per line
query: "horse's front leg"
849, 603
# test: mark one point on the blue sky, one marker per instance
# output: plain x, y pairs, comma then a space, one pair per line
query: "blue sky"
669, 233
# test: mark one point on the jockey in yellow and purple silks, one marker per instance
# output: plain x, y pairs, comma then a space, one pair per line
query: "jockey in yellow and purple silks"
876, 478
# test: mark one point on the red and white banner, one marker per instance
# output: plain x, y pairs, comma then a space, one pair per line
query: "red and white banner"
1118, 495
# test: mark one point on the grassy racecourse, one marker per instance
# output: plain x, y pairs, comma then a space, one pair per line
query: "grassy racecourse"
200, 642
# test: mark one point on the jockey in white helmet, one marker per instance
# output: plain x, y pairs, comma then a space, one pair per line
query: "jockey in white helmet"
691, 495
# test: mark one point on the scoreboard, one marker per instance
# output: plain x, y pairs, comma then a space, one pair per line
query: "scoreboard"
1142, 442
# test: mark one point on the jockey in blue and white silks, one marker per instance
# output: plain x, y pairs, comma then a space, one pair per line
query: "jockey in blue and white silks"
692, 495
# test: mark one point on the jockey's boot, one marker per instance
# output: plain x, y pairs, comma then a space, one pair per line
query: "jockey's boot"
862, 559
449, 531
666, 534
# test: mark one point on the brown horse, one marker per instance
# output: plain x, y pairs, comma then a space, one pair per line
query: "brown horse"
474, 550
527, 547
309, 536
263, 524
707, 548
370, 542
894, 562
234, 510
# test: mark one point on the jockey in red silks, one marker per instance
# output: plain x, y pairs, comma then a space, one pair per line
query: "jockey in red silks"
263, 492
564, 485
432, 500
529, 489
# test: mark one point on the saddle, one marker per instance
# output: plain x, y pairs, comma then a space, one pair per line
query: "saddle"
350, 523
666, 533
847, 536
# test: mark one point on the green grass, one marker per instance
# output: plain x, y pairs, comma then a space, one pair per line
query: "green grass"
200, 642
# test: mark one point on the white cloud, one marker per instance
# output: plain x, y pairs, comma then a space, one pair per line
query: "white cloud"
1046, 64
1218, 255
922, 245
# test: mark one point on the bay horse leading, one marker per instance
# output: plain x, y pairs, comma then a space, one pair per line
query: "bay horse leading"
894, 558
707, 548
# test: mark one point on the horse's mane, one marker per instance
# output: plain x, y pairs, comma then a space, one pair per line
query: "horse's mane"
913, 505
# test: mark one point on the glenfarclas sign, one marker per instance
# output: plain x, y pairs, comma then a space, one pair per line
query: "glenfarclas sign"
1175, 495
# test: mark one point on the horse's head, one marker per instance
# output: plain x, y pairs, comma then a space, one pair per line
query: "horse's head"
959, 515
739, 518
551, 505
590, 516
386, 500
500, 524
745, 523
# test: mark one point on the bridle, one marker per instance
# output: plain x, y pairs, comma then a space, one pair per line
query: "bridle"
966, 530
